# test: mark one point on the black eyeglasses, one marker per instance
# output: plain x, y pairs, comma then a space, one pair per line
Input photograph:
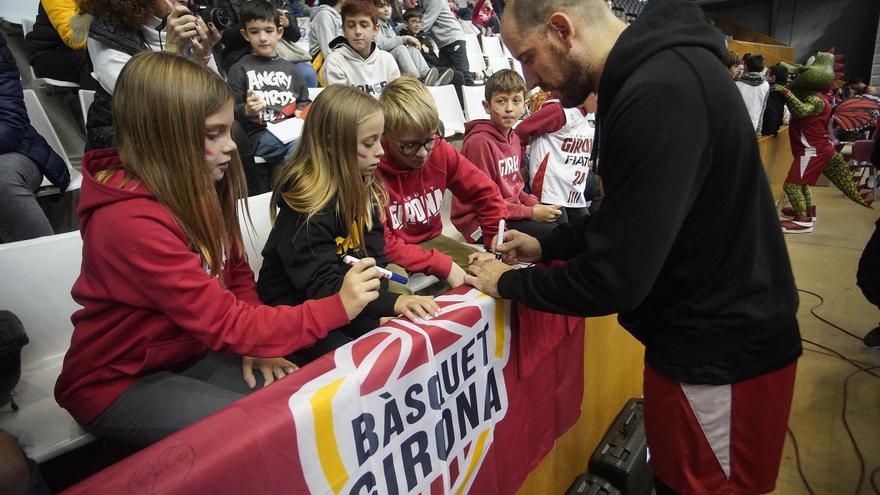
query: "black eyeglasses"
412, 149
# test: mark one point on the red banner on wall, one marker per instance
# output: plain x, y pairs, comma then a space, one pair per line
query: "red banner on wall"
467, 402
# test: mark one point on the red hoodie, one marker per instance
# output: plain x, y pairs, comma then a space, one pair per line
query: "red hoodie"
415, 197
499, 157
149, 305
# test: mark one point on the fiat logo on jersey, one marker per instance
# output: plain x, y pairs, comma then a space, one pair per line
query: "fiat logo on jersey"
409, 408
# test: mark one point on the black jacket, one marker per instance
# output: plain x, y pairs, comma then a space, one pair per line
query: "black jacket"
43, 38
686, 246
302, 260
868, 275
773, 114
99, 124
16, 133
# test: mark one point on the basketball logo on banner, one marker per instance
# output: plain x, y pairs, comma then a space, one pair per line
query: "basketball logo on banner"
408, 409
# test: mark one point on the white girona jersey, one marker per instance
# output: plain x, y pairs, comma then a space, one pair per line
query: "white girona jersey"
559, 162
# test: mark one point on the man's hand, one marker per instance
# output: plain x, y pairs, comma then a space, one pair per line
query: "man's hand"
253, 104
518, 247
485, 274
271, 368
545, 213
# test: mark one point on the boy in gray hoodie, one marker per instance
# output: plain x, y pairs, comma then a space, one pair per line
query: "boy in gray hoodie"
355, 60
325, 25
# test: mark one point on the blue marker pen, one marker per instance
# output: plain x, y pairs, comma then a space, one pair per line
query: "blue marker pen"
400, 279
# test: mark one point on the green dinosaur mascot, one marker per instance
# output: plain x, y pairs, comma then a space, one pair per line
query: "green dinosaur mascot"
814, 154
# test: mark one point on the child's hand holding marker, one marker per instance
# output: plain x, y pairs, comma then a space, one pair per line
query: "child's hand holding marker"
416, 308
384, 273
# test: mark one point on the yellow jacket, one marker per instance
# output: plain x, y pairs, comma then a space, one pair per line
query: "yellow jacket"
60, 13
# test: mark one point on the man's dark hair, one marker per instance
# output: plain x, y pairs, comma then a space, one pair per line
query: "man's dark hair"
753, 63
855, 80
413, 13
534, 13
779, 73
257, 10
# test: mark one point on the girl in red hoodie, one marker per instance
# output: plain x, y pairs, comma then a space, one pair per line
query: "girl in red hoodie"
168, 299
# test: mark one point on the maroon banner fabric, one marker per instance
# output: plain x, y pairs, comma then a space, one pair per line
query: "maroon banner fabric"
431, 407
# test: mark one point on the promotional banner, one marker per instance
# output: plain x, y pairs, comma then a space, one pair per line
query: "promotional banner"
455, 404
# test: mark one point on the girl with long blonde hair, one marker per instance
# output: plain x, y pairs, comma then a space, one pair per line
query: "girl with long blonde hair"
330, 203
169, 301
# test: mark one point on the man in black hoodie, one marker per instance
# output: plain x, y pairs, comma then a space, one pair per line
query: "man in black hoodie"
686, 246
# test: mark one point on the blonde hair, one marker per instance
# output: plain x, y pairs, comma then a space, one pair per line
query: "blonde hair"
408, 106
160, 105
324, 165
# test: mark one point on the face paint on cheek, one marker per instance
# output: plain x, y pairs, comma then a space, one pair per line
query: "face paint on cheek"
362, 155
208, 152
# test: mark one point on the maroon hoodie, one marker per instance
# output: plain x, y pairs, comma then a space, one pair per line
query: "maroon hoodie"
149, 305
499, 157
415, 197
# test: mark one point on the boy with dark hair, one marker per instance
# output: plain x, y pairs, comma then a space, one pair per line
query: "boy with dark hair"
493, 147
754, 88
355, 60
775, 110
267, 89
412, 26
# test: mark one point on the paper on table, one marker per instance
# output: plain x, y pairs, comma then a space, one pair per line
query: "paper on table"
287, 130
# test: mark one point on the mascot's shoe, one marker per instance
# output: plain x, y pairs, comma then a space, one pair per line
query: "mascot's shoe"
789, 212
796, 227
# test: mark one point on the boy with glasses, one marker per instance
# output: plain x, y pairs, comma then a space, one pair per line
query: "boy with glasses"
417, 168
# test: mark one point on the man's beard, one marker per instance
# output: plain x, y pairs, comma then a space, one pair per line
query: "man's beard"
578, 77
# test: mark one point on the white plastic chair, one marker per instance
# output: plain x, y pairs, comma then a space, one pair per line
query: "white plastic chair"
40, 122
86, 97
37, 277
498, 63
473, 102
492, 46
255, 239
446, 100
27, 26
504, 47
314, 92
517, 67
474, 53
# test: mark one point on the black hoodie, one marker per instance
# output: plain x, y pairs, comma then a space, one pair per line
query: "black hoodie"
686, 246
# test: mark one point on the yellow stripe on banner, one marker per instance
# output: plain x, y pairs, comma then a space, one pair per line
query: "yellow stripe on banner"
475, 458
499, 328
328, 450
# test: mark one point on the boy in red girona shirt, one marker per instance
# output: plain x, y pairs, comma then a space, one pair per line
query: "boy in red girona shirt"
417, 168
492, 146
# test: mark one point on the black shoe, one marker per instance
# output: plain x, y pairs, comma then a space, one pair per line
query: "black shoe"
872, 339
